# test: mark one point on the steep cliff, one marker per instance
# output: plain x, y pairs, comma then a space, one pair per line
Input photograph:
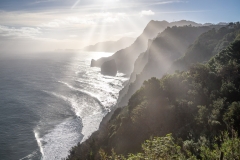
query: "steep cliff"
125, 58
109, 68
206, 45
168, 46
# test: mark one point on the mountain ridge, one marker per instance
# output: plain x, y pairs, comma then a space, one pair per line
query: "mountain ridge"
125, 58
110, 46
221, 37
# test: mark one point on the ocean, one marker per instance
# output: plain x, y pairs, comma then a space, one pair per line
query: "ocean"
49, 102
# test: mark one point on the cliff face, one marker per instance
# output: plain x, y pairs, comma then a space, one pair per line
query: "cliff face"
125, 58
109, 68
172, 52
168, 46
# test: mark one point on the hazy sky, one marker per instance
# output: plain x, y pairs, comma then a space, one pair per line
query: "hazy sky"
41, 25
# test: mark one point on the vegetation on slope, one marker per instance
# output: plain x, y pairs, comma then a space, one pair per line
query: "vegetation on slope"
208, 45
197, 103
167, 148
168, 46
196, 106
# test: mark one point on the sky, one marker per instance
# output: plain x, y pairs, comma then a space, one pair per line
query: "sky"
46, 25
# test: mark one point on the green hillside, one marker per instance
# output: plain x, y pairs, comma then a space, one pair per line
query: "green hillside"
208, 45
195, 105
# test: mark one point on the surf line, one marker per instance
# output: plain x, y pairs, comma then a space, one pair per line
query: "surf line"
38, 139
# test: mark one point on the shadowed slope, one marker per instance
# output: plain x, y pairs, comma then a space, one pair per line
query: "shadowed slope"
125, 58
198, 103
168, 46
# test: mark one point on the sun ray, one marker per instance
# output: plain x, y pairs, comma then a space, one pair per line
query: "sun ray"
75, 4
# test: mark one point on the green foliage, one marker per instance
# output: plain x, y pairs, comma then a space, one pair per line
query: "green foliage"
161, 148
165, 148
232, 116
195, 106
194, 103
190, 104
207, 45
229, 148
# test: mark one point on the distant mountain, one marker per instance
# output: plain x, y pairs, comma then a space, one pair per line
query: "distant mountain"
223, 23
110, 46
185, 23
219, 24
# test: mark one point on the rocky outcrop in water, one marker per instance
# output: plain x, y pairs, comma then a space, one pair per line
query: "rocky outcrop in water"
109, 68
93, 63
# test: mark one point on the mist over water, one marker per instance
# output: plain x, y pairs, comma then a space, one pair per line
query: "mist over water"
49, 102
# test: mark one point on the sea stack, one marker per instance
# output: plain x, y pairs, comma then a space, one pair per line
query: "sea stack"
93, 62
109, 68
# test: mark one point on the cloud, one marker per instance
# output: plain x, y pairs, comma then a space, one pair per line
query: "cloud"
110, 20
73, 36
53, 24
167, 2
86, 20
23, 32
114, 17
68, 22
147, 13
43, 1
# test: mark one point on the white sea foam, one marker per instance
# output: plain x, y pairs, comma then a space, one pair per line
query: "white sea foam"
83, 91
105, 98
39, 141
59, 140
30, 156
91, 98
71, 101
90, 113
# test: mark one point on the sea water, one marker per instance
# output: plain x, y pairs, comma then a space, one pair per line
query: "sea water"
49, 102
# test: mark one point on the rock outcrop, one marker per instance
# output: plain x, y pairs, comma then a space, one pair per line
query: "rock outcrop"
109, 68
93, 63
